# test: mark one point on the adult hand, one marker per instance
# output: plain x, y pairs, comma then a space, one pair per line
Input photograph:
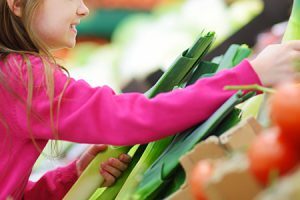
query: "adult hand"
110, 169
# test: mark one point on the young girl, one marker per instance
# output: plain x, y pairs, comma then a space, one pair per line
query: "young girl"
39, 102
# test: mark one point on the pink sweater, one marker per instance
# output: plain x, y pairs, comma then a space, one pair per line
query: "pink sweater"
94, 115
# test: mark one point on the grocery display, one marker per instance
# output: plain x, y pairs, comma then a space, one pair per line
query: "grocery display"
247, 149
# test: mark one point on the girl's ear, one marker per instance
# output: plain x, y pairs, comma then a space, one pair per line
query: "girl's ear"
15, 7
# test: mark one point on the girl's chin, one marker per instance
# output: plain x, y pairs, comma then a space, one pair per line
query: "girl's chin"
69, 45
72, 44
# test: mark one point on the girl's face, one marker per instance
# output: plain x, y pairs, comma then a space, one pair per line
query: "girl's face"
55, 22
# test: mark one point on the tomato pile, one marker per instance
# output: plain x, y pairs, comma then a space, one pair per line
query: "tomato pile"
275, 151
285, 110
271, 155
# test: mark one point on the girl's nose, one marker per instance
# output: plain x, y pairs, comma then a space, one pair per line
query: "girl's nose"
83, 10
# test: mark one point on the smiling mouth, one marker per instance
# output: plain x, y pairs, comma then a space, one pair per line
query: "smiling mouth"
73, 28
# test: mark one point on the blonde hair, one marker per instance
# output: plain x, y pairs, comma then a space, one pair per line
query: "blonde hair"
16, 37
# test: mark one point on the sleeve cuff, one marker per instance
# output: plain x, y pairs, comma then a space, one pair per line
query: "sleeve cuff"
68, 174
249, 77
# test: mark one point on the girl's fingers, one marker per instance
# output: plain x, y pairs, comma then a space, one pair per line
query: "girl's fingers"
95, 149
112, 170
116, 163
125, 158
88, 156
108, 178
295, 44
92, 151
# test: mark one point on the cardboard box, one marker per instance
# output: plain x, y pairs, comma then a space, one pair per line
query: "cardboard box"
232, 180
241, 136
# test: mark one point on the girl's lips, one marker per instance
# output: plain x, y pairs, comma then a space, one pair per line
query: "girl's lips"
73, 28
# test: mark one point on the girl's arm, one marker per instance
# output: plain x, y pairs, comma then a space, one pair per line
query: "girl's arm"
98, 115
53, 185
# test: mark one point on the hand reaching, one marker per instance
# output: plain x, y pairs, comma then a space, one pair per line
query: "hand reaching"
278, 63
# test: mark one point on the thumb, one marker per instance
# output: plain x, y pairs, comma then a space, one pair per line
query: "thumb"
95, 149
88, 156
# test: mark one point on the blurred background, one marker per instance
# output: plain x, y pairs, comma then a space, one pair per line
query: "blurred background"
127, 44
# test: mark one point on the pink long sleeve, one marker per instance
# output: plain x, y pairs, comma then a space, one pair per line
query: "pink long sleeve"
53, 185
97, 115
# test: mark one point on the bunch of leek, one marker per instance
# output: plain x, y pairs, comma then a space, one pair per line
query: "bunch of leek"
232, 57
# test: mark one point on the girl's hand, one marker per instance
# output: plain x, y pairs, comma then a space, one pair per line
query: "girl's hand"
278, 63
110, 170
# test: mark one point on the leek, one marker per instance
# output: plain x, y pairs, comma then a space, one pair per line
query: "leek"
233, 56
251, 107
230, 121
202, 70
90, 178
184, 64
293, 29
111, 192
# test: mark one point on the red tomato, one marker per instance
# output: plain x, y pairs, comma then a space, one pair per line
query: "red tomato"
271, 153
285, 110
200, 174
